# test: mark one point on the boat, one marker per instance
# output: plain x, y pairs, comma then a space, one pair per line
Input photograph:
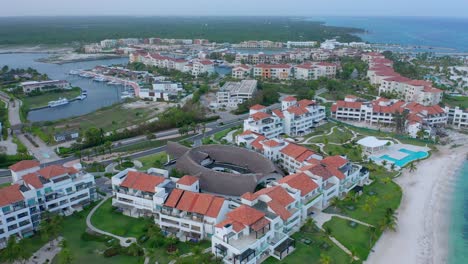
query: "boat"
74, 72
81, 97
60, 101
86, 75
84, 92
100, 79
126, 94
114, 83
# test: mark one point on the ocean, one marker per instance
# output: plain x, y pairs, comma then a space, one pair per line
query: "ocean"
458, 232
438, 32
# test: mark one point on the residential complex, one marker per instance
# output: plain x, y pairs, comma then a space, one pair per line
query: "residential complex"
54, 188
162, 91
382, 111
457, 117
273, 71
234, 93
258, 44
294, 118
315, 70
241, 71
381, 73
35, 86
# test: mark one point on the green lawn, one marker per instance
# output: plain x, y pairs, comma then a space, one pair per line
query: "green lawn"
153, 161
148, 144
323, 129
36, 101
311, 253
358, 239
352, 152
339, 136
453, 101
30, 245
107, 219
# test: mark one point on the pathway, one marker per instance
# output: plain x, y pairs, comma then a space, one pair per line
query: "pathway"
206, 250
46, 253
124, 241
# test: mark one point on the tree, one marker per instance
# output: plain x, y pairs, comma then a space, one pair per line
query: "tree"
108, 146
335, 202
51, 226
412, 167
93, 136
12, 250
392, 166
325, 259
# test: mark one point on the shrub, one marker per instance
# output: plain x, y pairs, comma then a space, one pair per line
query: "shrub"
110, 252
85, 236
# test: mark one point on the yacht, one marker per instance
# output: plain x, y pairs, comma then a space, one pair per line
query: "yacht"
126, 94
84, 92
100, 79
81, 97
74, 72
86, 75
60, 101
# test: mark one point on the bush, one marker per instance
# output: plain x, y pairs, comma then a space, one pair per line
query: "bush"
85, 236
110, 252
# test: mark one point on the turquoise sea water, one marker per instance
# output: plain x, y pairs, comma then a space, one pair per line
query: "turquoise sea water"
421, 31
412, 155
458, 232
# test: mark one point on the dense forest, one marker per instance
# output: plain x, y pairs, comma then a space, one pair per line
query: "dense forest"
60, 30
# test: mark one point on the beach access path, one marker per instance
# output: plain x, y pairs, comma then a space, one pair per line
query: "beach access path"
422, 230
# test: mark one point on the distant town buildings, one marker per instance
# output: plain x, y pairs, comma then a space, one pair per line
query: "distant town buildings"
301, 44
273, 71
42, 86
259, 44
234, 93
162, 91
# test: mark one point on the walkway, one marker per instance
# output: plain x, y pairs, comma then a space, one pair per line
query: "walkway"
206, 250
46, 253
124, 241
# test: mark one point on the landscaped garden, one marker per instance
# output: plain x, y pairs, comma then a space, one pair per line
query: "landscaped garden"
153, 161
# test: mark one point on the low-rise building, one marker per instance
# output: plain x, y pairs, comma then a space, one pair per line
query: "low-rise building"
43, 86
162, 91
234, 93
242, 71
273, 71
314, 70
457, 117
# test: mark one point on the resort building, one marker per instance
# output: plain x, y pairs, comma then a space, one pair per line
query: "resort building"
301, 44
294, 118
242, 71
314, 70
457, 117
234, 93
54, 188
43, 86
162, 91
197, 67
273, 71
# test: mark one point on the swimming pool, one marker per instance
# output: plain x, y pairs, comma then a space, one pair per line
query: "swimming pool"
412, 156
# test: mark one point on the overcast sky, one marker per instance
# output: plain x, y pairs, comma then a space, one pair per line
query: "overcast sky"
446, 8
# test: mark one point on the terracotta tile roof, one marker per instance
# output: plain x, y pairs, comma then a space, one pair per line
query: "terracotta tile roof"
300, 182
260, 224
327, 64
278, 194
305, 102
297, 110
344, 104
429, 89
334, 161
279, 210
53, 171
33, 180
297, 152
249, 196
257, 107
24, 165
256, 143
273, 66
142, 181
173, 198
245, 215
10, 194
289, 99
271, 143
248, 132
236, 226
187, 180
260, 115
278, 113
200, 203
419, 83
324, 171
397, 79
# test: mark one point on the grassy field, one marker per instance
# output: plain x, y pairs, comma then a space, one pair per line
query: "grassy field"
352, 152
339, 135
109, 119
357, 239
148, 144
153, 161
320, 244
107, 219
453, 101
36, 101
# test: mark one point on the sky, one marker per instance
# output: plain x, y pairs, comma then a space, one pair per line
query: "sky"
445, 8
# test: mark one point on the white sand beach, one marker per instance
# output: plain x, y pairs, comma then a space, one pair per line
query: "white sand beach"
422, 230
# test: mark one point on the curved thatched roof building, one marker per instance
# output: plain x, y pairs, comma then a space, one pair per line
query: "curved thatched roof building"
254, 168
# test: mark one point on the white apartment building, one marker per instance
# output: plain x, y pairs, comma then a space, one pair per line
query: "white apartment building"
241, 71
234, 93
162, 91
109, 43
197, 67
315, 70
54, 188
457, 117
301, 44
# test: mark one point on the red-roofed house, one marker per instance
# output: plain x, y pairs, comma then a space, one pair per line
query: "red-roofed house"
21, 168
241, 71
188, 183
273, 71
294, 156
192, 215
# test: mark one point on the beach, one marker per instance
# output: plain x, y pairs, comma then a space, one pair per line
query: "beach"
422, 234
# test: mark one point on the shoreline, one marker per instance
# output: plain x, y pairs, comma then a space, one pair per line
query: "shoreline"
424, 215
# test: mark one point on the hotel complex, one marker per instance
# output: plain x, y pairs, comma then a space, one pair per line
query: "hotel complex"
35, 190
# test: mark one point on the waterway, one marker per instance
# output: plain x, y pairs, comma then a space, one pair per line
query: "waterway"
99, 94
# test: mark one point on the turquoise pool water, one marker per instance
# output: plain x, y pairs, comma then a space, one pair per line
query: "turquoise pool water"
412, 155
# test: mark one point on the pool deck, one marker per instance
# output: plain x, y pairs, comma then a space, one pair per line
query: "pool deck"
393, 151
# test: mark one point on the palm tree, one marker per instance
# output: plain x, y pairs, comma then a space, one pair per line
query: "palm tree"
79, 154
325, 259
412, 167
335, 202
392, 166
12, 250
108, 146
384, 162
367, 207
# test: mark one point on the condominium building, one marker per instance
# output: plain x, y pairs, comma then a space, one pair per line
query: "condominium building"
314, 70
273, 71
241, 71
109, 43
457, 117
54, 188
162, 91
234, 93
197, 67
301, 44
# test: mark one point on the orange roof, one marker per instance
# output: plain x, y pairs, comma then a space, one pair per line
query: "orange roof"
296, 110
187, 180
33, 180
24, 165
10, 194
289, 99
256, 143
142, 181
271, 143
278, 113
249, 196
260, 115
257, 107
305, 102
245, 215
200, 203
297, 152
236, 226
278, 194
279, 210
273, 66
53, 171
300, 182
324, 171
334, 161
